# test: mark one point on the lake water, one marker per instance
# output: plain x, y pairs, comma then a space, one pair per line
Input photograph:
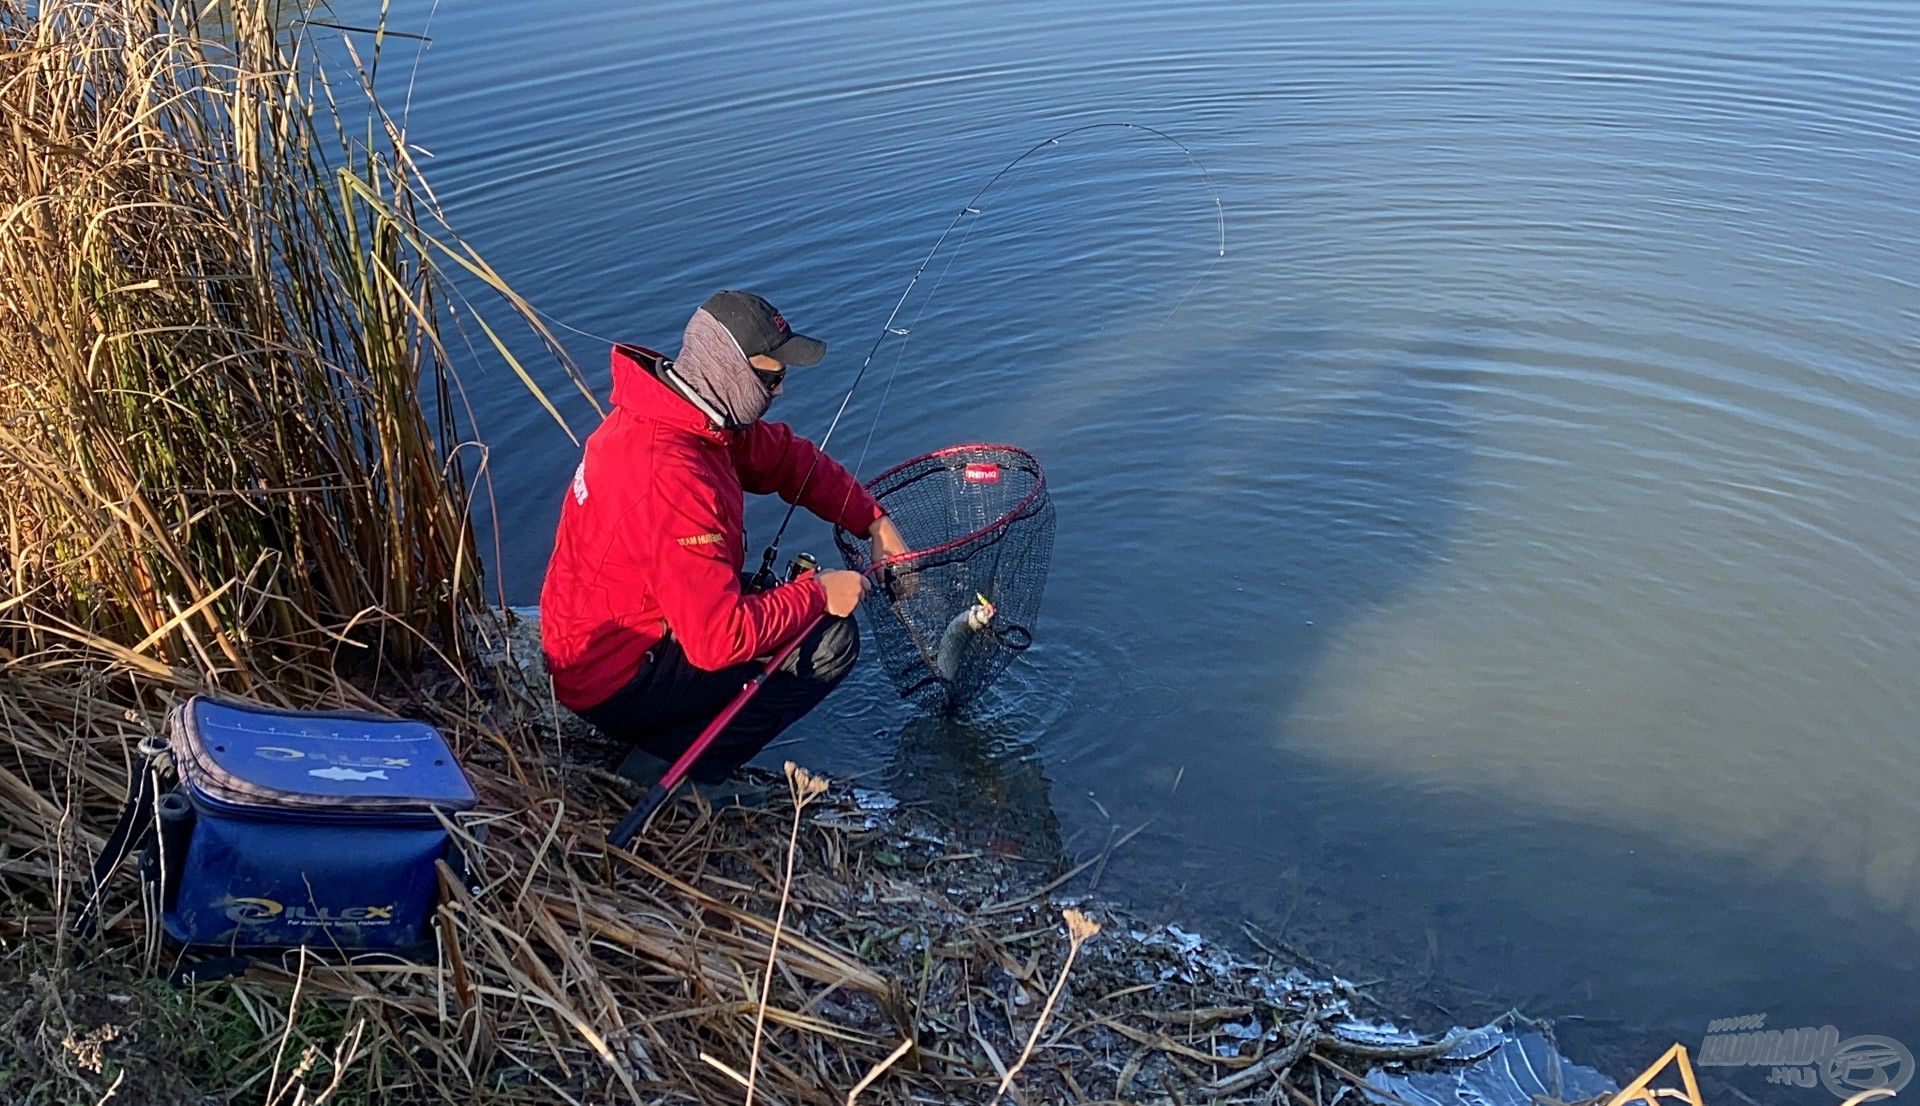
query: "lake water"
1496, 573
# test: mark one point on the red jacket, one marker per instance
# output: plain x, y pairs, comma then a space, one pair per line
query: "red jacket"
651, 537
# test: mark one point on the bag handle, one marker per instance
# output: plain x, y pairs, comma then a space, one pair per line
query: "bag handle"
130, 831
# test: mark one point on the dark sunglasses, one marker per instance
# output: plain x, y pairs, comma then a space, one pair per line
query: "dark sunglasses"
770, 378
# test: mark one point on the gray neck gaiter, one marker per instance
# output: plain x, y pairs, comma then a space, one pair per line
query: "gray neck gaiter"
711, 363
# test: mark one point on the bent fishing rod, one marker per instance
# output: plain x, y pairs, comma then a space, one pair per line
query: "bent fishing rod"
765, 575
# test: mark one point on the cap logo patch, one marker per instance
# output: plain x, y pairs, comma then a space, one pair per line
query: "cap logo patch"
780, 323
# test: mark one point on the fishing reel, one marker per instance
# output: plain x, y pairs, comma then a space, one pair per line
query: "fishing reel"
764, 579
802, 564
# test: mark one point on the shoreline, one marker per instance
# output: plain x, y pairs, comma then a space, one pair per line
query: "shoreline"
591, 974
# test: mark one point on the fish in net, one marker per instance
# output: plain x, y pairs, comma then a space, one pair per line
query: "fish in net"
949, 617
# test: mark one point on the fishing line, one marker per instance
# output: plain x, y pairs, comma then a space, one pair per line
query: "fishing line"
569, 326
887, 329
900, 354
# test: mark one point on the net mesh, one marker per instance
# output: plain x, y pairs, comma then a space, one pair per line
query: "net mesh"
951, 616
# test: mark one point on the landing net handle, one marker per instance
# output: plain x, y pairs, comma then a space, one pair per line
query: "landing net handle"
642, 812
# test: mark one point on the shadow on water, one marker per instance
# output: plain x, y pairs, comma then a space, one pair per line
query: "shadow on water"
1461, 906
1341, 505
1273, 490
1208, 577
1356, 491
1195, 594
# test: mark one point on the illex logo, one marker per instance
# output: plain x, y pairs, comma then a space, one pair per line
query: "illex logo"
251, 911
282, 753
1855, 1069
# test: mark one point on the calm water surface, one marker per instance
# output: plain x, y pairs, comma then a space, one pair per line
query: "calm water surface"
1498, 573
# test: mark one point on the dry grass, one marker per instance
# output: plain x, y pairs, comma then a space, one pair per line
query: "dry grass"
1080, 930
227, 424
229, 458
590, 974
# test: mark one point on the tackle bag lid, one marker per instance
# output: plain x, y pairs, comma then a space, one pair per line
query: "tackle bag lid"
345, 761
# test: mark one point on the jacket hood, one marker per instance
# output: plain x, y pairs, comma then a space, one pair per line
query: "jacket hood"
638, 390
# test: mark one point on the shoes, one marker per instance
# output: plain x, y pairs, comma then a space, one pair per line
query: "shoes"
644, 770
642, 767
732, 791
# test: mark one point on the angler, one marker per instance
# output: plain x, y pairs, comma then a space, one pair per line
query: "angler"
648, 625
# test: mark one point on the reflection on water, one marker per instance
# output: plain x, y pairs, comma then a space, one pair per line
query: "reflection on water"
986, 780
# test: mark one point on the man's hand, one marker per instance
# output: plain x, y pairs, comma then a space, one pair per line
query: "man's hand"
844, 590
887, 541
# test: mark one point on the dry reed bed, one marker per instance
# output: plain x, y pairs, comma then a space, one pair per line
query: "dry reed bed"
228, 434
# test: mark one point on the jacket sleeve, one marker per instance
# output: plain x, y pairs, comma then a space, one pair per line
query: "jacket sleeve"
698, 588
771, 458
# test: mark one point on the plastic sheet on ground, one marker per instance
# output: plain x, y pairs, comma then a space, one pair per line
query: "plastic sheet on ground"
1517, 1073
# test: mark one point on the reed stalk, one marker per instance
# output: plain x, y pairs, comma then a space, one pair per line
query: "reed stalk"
229, 445
1080, 929
804, 787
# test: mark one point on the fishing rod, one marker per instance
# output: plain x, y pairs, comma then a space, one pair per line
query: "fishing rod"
637, 818
765, 575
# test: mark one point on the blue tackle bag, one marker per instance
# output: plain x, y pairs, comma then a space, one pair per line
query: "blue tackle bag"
288, 828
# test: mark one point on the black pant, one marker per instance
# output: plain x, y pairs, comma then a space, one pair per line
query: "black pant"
669, 701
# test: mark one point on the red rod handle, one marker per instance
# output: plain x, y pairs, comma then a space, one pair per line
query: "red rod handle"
637, 818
